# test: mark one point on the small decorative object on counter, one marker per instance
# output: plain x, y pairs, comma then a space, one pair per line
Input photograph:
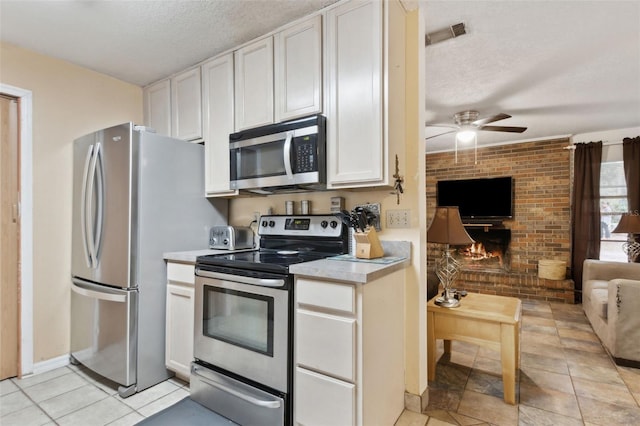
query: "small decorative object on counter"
305, 207
367, 243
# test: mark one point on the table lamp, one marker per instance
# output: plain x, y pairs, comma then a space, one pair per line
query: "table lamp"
629, 224
446, 228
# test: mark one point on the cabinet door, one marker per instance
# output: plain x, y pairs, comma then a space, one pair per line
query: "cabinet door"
354, 94
326, 343
298, 70
254, 84
322, 401
157, 107
217, 107
187, 105
179, 329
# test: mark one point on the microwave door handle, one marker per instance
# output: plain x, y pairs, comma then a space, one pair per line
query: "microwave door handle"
83, 206
287, 155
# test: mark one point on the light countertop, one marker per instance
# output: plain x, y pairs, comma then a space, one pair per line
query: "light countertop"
358, 271
355, 271
348, 269
190, 256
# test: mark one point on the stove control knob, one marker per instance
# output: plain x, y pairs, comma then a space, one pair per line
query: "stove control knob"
264, 223
334, 224
272, 223
324, 223
225, 241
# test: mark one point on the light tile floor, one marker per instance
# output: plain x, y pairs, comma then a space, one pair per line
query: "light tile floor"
566, 378
73, 395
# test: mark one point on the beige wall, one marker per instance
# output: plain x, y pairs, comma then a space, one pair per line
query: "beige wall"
68, 101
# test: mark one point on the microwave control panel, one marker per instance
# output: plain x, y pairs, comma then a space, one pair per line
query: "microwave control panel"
305, 154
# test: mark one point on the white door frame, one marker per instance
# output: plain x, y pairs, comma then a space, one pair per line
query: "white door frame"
26, 224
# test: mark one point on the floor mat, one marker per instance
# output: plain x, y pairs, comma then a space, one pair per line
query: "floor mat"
186, 412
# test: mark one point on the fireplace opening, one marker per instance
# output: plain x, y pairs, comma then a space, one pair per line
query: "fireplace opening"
489, 252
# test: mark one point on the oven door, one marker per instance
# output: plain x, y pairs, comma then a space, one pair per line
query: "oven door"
242, 325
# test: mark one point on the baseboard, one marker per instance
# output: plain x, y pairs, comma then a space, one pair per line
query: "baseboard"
50, 364
626, 362
416, 403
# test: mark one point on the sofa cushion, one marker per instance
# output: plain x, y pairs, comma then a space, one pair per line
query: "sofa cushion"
599, 297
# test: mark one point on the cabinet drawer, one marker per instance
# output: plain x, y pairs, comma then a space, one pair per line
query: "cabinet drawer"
326, 343
321, 400
339, 297
181, 272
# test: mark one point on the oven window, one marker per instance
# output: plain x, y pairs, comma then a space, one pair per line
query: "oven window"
239, 318
260, 160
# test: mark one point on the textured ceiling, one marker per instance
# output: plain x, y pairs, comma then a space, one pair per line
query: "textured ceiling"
558, 67
143, 41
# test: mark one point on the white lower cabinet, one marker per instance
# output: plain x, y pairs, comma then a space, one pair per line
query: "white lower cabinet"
179, 321
349, 351
337, 405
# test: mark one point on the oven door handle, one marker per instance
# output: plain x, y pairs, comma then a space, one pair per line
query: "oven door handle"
263, 282
248, 398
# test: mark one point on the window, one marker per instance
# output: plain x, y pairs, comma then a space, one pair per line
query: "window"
613, 202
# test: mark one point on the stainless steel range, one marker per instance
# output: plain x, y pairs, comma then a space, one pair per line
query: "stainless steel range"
243, 343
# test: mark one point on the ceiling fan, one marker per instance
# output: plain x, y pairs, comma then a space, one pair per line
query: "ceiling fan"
467, 124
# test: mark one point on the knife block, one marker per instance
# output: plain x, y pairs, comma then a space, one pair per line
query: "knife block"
368, 245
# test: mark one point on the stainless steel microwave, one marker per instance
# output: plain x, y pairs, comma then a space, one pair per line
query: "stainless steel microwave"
279, 157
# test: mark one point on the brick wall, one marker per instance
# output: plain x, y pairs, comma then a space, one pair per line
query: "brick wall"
540, 228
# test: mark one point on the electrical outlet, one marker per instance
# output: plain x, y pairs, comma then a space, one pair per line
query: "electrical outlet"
398, 218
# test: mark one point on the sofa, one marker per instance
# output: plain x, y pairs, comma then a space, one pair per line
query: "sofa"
611, 301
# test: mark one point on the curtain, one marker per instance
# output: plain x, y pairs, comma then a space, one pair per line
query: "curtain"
631, 164
585, 215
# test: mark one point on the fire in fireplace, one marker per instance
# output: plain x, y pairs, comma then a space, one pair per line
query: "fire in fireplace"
490, 252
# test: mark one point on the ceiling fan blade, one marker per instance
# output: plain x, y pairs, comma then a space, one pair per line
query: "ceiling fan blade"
440, 134
453, 126
491, 119
511, 129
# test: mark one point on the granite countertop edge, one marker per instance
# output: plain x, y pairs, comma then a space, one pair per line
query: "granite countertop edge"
357, 271
347, 271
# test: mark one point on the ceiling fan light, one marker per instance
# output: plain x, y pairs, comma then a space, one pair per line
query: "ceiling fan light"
466, 135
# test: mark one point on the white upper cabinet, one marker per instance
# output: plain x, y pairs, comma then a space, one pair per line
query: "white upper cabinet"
254, 84
187, 105
217, 107
157, 107
365, 91
298, 70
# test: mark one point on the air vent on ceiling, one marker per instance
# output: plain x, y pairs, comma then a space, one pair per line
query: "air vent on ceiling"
445, 34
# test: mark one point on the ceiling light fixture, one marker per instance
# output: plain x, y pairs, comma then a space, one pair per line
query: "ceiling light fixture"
453, 31
465, 135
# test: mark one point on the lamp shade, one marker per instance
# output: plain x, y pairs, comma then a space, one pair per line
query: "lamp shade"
629, 224
447, 228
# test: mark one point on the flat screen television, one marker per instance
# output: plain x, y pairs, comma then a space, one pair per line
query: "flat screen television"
485, 198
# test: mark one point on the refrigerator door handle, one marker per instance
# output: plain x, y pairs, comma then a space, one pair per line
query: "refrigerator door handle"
92, 222
83, 206
100, 201
84, 289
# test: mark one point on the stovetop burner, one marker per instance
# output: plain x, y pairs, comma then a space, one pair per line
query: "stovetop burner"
285, 241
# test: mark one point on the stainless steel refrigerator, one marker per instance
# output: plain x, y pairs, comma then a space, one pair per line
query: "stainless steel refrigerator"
136, 195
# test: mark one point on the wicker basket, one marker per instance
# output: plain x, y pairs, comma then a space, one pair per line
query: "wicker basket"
552, 269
